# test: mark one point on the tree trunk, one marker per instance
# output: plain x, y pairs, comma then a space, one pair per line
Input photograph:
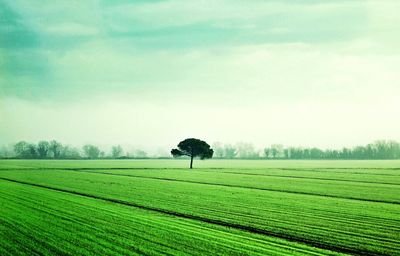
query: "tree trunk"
191, 162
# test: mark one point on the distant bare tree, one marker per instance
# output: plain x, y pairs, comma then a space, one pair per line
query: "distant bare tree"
276, 150
43, 148
116, 151
6, 151
22, 150
91, 151
218, 150
55, 148
246, 150
267, 152
33, 153
68, 152
140, 154
229, 151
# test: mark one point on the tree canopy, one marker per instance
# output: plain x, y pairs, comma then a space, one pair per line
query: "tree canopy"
193, 148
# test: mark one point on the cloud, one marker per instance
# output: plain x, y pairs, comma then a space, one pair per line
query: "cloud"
70, 29
14, 31
262, 69
184, 23
278, 72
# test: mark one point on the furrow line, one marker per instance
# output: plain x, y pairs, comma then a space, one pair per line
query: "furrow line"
213, 168
244, 187
303, 177
352, 172
206, 220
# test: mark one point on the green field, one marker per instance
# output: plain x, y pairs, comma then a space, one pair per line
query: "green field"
221, 207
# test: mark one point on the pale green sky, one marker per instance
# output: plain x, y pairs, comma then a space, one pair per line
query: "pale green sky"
150, 73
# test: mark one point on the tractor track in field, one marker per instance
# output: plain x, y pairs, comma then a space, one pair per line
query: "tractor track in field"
225, 172
229, 172
90, 170
346, 172
217, 168
206, 220
239, 186
302, 177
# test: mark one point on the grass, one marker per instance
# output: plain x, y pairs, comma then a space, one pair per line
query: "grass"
318, 207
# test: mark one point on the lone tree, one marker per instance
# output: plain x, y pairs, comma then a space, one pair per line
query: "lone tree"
193, 148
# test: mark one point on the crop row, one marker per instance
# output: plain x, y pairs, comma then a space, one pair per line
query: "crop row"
364, 166
380, 176
368, 175
340, 224
44, 222
325, 186
333, 188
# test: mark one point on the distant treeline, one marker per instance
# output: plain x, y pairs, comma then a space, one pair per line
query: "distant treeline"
378, 150
55, 150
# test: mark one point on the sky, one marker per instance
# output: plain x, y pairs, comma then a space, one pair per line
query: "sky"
152, 73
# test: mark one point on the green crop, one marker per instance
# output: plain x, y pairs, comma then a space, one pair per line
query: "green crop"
351, 209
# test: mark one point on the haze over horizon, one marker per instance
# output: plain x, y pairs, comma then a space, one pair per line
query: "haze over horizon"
152, 73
